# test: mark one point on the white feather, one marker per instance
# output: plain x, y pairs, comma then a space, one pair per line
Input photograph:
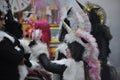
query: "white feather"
61, 48
74, 71
40, 48
35, 65
61, 62
25, 44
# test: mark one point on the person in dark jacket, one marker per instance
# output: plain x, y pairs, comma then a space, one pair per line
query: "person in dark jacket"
10, 54
103, 36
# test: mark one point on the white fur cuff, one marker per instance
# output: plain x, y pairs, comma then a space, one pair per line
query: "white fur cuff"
40, 48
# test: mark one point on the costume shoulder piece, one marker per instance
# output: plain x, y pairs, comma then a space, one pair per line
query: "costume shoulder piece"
4, 34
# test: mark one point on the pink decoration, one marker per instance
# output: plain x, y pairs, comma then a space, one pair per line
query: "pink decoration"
43, 25
91, 55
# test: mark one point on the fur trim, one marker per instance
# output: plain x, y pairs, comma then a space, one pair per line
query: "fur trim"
55, 77
39, 48
69, 38
25, 44
62, 49
91, 55
74, 70
4, 34
35, 65
22, 72
12, 39
61, 62
22, 69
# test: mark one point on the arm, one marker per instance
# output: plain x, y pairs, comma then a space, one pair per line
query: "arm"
52, 67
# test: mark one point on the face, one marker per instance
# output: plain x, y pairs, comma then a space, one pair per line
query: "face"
68, 53
2, 22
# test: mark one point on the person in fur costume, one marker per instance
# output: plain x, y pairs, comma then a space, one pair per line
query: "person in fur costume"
99, 29
102, 34
14, 28
11, 57
72, 68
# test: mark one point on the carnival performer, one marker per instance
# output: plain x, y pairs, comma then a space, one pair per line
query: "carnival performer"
37, 71
72, 68
11, 58
14, 28
44, 28
102, 34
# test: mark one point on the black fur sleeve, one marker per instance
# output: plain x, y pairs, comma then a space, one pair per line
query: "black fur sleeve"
52, 67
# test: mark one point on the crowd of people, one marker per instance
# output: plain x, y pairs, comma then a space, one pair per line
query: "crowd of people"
81, 55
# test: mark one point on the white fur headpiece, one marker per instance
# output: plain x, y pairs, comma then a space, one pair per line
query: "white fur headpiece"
4, 34
91, 51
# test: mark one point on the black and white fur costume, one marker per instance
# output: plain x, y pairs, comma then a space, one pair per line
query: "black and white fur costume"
22, 69
60, 54
13, 33
60, 67
70, 68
